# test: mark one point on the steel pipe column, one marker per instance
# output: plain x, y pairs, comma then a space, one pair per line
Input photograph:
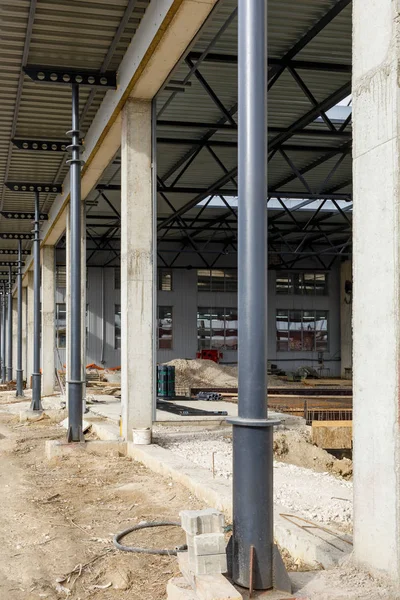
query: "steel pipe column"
75, 384
3, 335
19, 369
36, 403
10, 327
252, 432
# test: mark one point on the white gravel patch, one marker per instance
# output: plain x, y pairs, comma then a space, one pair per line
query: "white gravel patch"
319, 497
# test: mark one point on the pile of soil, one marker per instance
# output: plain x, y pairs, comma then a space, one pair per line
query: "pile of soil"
203, 373
295, 447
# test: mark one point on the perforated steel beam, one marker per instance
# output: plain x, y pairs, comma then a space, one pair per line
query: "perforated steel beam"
68, 76
31, 187
22, 215
40, 145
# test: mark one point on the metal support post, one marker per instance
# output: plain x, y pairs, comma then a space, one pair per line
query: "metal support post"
19, 370
3, 336
253, 544
10, 326
75, 395
36, 403
1, 333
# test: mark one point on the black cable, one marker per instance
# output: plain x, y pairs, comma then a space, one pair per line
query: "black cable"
118, 536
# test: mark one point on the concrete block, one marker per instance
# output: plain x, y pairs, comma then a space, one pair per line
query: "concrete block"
210, 564
333, 435
52, 415
59, 449
209, 520
216, 587
30, 415
208, 543
205, 544
179, 589
207, 587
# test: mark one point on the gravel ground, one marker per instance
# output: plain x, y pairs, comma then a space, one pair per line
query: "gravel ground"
319, 497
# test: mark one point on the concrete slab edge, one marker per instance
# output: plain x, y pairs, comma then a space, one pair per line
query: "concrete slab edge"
298, 542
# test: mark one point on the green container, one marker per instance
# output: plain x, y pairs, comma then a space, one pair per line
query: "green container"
162, 381
165, 381
171, 382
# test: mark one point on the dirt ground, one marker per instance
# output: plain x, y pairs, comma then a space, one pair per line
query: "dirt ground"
57, 521
295, 447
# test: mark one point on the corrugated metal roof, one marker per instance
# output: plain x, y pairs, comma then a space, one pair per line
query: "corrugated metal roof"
74, 34
80, 33
288, 22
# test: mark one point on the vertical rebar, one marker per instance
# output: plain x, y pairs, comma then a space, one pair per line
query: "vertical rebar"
75, 397
3, 336
36, 403
10, 326
19, 370
252, 432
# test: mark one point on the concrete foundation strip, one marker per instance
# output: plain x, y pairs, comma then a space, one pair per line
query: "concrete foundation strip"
311, 525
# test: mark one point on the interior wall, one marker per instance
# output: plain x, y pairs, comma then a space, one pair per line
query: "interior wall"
185, 300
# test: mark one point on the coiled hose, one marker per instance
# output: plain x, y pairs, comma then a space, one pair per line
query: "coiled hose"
146, 524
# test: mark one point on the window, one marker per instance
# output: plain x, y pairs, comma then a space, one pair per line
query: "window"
304, 284
61, 325
61, 276
117, 327
302, 330
217, 280
217, 328
117, 278
165, 327
165, 280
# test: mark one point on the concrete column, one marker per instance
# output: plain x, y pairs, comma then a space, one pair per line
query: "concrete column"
376, 277
137, 268
14, 338
48, 319
24, 331
29, 331
346, 332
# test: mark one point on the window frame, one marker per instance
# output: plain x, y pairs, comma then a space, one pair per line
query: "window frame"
117, 278
210, 288
304, 313
57, 325
171, 310
116, 337
160, 272
296, 283
211, 312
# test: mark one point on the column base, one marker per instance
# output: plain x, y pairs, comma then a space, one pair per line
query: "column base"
75, 412
20, 383
253, 552
36, 403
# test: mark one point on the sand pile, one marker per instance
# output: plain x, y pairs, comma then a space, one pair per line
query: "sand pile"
295, 447
203, 373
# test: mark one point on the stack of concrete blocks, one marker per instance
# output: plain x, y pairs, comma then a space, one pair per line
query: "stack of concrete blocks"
205, 541
204, 563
